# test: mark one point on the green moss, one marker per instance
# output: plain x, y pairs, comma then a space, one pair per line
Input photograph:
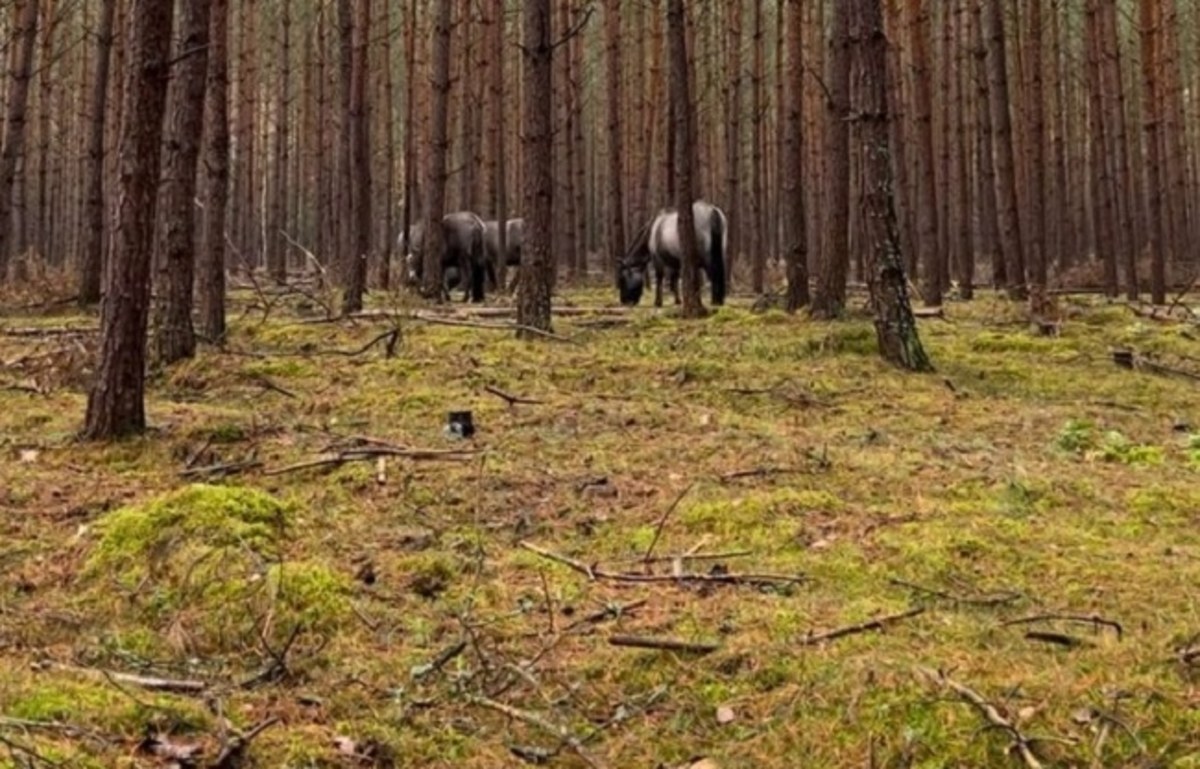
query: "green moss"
103, 706
208, 563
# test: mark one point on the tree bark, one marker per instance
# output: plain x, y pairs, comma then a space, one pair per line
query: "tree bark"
20, 73
174, 337
1150, 21
759, 237
116, 404
1036, 144
616, 161
895, 327
439, 147
536, 271
830, 296
1103, 189
211, 265
359, 182
685, 154
1002, 146
91, 231
928, 240
277, 205
733, 138
795, 238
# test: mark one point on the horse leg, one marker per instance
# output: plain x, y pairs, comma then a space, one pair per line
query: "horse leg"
658, 279
675, 285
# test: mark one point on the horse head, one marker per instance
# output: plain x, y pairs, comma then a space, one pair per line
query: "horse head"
631, 282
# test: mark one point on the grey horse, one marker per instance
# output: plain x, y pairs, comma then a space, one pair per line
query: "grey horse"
514, 240
463, 261
658, 243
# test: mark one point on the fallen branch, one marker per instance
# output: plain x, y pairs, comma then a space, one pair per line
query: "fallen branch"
663, 521
512, 400
607, 613
174, 686
35, 331
540, 722
368, 453
596, 573
1131, 360
440, 661
669, 644
233, 750
441, 321
1057, 639
222, 470
989, 711
759, 472
984, 600
1086, 619
862, 627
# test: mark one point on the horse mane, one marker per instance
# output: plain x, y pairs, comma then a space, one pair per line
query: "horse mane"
640, 244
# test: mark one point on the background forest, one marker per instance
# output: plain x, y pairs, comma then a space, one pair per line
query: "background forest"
681, 538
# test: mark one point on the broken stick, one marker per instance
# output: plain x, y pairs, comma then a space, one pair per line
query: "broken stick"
863, 627
669, 644
989, 711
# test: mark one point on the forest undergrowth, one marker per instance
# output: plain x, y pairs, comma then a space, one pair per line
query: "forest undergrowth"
745, 539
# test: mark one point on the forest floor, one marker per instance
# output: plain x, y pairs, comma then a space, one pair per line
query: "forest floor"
160, 597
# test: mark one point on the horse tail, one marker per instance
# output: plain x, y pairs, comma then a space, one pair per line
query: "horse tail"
716, 261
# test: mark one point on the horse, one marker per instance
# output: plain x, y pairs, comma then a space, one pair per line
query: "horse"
658, 242
514, 240
463, 260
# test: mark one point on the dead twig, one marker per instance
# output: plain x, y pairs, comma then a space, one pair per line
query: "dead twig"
441, 321
759, 472
171, 685
863, 627
512, 400
1057, 639
663, 521
221, 470
234, 750
368, 453
983, 600
1094, 620
440, 661
607, 613
989, 711
668, 644
540, 722
718, 578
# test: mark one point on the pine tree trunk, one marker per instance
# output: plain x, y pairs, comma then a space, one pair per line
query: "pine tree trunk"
174, 337
1150, 22
46, 79
1129, 232
1036, 144
359, 182
1103, 189
928, 240
830, 296
685, 154
733, 137
91, 231
575, 51
277, 204
388, 125
537, 109
116, 404
566, 128
211, 265
616, 162
960, 162
20, 73
758, 238
895, 327
439, 147
1002, 146
410, 125
499, 89
792, 208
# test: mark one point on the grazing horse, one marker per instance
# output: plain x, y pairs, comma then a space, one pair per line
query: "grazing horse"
658, 242
514, 240
463, 260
